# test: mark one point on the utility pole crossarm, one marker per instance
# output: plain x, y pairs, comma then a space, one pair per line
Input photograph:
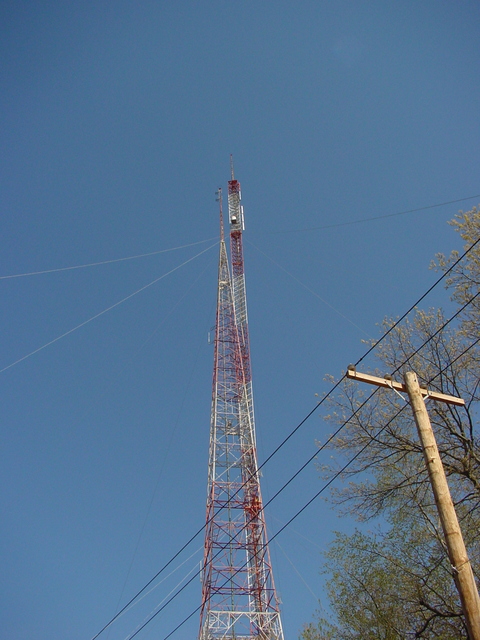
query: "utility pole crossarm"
388, 383
457, 553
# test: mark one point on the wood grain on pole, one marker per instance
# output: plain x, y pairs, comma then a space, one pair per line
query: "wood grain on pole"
457, 552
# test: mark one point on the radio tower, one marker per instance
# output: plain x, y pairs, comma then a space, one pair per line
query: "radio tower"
238, 592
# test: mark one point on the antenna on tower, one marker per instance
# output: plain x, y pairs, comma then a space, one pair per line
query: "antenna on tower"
219, 199
239, 600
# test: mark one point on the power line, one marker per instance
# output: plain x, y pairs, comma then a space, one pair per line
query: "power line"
299, 425
316, 495
166, 578
445, 324
247, 523
199, 531
300, 511
297, 473
285, 485
442, 277
171, 591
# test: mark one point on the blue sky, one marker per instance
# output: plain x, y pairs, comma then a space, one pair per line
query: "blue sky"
118, 119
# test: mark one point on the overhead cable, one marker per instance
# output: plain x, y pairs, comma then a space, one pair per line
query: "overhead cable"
310, 501
387, 215
300, 511
305, 286
96, 264
101, 313
246, 525
299, 425
308, 461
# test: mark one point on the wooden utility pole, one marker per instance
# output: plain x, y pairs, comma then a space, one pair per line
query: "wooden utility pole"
457, 553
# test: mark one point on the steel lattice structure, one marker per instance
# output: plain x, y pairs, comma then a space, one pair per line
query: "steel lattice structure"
238, 592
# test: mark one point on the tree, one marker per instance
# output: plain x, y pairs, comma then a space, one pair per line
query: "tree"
397, 583
465, 278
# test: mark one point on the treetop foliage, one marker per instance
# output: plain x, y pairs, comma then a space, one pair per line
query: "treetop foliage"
397, 583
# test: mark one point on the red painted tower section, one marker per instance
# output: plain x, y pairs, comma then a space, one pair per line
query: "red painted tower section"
238, 593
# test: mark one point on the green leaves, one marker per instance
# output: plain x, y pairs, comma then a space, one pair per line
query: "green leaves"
397, 583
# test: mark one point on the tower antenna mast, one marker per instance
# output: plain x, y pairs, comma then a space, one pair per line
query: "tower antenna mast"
239, 600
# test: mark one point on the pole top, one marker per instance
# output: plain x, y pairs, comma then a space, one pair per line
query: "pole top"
389, 383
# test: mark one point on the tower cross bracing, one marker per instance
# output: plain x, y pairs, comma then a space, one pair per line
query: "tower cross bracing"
238, 593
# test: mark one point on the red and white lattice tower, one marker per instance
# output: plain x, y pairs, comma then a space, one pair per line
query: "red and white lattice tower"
238, 592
